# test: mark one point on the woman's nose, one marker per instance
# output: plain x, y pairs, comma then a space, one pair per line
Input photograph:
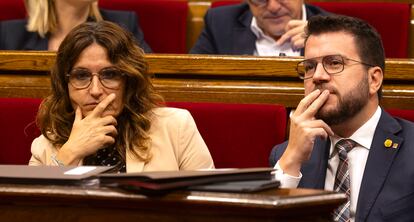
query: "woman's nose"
96, 87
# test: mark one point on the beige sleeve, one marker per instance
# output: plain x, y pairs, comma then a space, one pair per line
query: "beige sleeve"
194, 153
42, 151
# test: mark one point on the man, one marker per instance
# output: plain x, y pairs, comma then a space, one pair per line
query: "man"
258, 27
340, 139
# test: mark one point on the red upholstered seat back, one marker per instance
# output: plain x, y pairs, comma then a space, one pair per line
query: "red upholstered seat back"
402, 113
224, 2
238, 135
12, 9
390, 19
164, 22
17, 129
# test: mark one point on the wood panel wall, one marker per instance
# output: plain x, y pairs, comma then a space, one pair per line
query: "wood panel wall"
229, 79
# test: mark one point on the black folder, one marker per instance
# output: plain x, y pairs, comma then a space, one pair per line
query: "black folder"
236, 180
168, 180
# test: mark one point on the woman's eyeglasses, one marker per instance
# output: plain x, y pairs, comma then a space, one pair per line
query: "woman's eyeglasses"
81, 78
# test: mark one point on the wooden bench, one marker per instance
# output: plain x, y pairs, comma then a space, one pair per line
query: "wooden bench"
196, 78
181, 38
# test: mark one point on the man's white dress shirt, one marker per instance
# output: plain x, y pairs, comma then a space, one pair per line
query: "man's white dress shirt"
266, 45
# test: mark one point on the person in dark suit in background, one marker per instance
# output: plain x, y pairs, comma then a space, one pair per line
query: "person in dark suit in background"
340, 138
49, 21
258, 27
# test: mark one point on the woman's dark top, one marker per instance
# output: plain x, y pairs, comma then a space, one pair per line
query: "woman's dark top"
14, 35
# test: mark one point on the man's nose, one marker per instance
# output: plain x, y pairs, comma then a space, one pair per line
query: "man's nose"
320, 74
273, 5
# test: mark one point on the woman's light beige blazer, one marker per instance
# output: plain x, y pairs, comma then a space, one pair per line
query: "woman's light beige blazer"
176, 144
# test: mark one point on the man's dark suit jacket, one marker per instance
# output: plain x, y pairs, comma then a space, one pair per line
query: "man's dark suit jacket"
227, 30
14, 36
387, 187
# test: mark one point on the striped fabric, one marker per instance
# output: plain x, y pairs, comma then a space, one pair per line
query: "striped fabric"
342, 181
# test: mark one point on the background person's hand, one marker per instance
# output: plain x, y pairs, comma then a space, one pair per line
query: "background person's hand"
304, 129
295, 33
89, 134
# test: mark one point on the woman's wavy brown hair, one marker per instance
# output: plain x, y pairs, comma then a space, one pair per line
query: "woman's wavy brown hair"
56, 114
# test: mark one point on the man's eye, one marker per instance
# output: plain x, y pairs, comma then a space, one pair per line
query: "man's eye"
334, 63
309, 66
259, 2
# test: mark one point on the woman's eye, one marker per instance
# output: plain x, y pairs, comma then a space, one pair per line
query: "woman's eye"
110, 74
81, 75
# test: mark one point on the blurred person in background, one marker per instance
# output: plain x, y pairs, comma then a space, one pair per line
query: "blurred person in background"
49, 21
256, 27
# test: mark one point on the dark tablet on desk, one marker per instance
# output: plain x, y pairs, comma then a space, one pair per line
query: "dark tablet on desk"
238, 186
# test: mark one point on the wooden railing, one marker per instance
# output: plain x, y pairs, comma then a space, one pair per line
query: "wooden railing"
229, 79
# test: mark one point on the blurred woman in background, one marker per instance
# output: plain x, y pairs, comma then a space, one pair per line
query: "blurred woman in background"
49, 21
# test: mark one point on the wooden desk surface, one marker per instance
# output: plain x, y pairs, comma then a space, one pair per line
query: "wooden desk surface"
61, 203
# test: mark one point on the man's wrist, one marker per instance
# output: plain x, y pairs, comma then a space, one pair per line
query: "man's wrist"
286, 180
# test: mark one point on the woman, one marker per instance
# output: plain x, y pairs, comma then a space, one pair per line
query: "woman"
49, 21
104, 111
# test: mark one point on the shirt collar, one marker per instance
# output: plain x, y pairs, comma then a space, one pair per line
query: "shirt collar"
364, 135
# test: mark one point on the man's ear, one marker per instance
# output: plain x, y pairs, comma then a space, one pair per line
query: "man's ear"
375, 78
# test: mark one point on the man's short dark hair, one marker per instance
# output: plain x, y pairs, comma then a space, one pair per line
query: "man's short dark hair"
367, 40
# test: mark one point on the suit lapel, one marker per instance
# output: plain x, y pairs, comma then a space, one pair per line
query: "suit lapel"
314, 170
244, 40
378, 164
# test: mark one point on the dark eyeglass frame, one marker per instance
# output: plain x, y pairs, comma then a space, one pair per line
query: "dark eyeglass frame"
262, 3
323, 61
99, 74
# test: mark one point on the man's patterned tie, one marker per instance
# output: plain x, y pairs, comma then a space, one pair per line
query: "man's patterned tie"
342, 181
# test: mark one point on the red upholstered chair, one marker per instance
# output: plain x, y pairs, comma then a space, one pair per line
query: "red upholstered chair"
164, 22
390, 19
224, 2
12, 9
17, 129
238, 135
402, 113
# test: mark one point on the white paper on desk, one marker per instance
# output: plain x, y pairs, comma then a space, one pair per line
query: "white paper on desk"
80, 170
